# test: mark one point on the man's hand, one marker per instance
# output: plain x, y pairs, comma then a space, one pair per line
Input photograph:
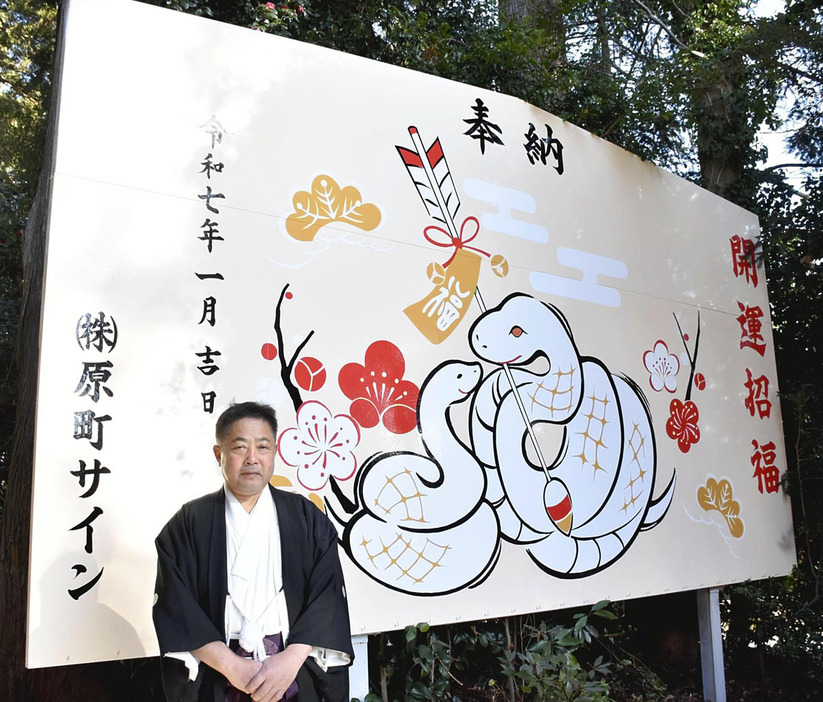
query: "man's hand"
270, 683
237, 670
241, 671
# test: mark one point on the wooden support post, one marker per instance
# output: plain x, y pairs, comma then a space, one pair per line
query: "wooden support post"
711, 645
359, 672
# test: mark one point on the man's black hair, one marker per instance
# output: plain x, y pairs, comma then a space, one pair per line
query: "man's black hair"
245, 410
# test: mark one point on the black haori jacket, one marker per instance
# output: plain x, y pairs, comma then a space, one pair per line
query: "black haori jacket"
192, 585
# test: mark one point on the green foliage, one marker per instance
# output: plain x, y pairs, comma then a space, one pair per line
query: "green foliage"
281, 18
230, 11
437, 663
774, 621
775, 625
26, 48
549, 668
566, 657
801, 60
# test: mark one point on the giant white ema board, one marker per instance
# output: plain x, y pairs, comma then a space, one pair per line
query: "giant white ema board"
382, 256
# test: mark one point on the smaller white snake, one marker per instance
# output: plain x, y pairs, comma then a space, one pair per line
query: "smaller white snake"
423, 525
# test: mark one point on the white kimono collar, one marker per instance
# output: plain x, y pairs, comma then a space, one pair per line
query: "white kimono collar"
254, 568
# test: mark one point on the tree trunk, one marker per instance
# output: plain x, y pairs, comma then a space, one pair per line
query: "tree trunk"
517, 9
720, 125
542, 14
546, 17
720, 108
15, 683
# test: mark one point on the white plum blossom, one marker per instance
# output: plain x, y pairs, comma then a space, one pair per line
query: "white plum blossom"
320, 446
663, 367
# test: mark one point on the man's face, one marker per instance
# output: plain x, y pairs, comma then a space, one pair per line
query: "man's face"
246, 457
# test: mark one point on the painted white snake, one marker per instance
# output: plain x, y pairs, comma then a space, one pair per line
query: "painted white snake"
423, 525
606, 461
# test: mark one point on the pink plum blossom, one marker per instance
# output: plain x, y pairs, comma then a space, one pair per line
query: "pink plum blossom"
320, 446
662, 366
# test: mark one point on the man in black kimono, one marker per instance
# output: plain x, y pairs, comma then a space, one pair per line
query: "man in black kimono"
243, 570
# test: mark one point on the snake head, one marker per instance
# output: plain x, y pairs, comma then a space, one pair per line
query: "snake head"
452, 381
519, 330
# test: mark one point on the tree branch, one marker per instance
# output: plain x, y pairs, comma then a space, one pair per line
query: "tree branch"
659, 22
793, 165
800, 72
286, 367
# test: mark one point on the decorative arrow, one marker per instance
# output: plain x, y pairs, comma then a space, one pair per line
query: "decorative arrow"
432, 178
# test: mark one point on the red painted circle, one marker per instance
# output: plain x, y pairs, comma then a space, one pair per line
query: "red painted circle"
268, 351
309, 374
700, 381
289, 296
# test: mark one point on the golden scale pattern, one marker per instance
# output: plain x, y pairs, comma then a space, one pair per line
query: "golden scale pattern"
411, 563
401, 492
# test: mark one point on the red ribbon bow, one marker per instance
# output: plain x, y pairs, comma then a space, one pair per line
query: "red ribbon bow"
457, 242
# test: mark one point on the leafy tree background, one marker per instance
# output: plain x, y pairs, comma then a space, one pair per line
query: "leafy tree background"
686, 85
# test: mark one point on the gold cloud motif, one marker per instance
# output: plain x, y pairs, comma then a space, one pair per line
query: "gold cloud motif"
718, 495
326, 203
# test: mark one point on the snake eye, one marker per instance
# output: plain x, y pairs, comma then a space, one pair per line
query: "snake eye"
516, 331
